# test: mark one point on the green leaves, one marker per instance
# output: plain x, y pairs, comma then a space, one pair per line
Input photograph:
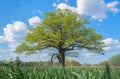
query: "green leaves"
63, 30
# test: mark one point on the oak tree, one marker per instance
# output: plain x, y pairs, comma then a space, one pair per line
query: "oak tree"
64, 30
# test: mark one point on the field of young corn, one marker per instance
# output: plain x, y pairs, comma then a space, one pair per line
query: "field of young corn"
17, 72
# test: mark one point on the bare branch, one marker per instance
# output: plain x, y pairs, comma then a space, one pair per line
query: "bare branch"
53, 57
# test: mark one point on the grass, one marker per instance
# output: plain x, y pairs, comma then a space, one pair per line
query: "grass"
16, 71
58, 73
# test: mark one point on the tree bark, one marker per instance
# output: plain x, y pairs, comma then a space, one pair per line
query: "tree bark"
62, 57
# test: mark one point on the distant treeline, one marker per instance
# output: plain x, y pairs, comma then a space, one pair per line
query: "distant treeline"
113, 61
69, 62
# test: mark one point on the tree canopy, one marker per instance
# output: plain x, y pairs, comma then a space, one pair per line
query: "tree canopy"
64, 30
115, 60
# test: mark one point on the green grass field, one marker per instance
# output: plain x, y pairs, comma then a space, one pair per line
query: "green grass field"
58, 73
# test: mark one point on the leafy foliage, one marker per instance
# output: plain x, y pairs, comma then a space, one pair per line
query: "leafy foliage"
14, 70
64, 30
115, 60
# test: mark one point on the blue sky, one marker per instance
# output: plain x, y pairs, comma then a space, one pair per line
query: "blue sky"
17, 15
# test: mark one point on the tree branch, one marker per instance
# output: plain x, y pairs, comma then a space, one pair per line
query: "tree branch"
53, 57
72, 46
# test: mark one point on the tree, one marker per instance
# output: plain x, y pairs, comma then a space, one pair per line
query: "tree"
64, 30
74, 62
40, 63
71, 62
103, 63
17, 61
114, 60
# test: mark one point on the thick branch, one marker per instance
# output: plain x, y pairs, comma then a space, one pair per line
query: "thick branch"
53, 57
74, 45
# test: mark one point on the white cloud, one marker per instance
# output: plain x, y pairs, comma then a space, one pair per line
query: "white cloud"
35, 57
111, 44
15, 31
42, 55
34, 21
110, 41
94, 8
112, 6
97, 9
14, 34
89, 55
39, 11
65, 6
7, 54
12, 45
2, 39
2, 51
54, 4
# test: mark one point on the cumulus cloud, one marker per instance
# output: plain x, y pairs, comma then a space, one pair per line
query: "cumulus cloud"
14, 34
65, 6
15, 31
34, 21
96, 9
111, 44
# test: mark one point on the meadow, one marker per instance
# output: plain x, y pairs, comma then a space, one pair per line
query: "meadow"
17, 72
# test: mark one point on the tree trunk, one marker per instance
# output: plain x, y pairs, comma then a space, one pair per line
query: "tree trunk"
62, 55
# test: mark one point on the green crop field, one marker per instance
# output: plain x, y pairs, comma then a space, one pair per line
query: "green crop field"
58, 73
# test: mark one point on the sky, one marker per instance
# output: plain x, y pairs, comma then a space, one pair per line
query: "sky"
17, 15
